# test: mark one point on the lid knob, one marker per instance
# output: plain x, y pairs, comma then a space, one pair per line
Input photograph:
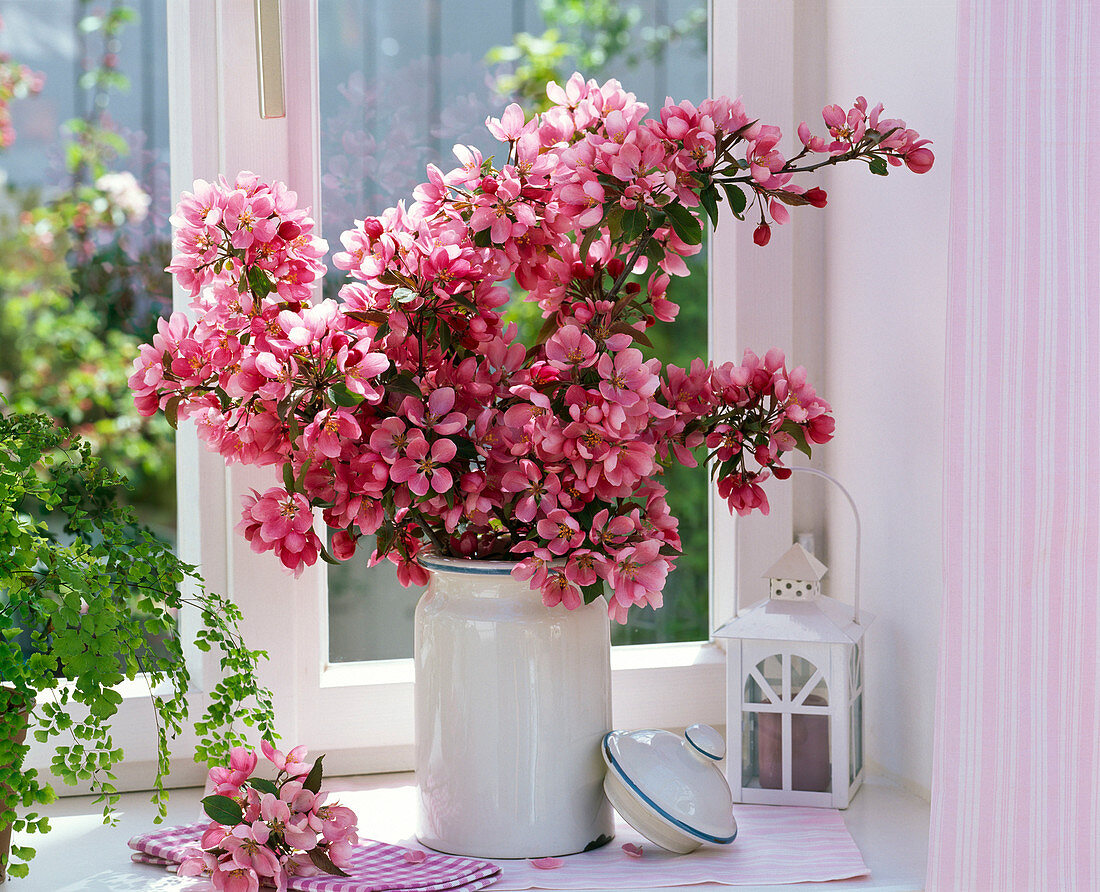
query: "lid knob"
706, 742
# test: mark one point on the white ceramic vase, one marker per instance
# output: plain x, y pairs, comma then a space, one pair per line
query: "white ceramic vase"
512, 701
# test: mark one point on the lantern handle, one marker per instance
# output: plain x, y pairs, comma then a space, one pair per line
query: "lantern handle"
855, 514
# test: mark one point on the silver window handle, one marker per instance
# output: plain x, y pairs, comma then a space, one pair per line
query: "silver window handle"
269, 58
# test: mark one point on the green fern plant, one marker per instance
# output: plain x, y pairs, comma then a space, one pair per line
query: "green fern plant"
86, 607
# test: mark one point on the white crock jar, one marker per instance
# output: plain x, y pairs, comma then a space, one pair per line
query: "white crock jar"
513, 699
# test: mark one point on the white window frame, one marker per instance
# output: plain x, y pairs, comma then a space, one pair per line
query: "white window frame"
360, 714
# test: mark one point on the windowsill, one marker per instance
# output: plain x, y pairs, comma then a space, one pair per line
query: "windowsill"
623, 658
890, 827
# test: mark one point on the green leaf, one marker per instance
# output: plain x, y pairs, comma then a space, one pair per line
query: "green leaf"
592, 592
263, 785
313, 779
613, 219
342, 396
589, 237
548, 328
322, 861
736, 199
791, 198
374, 317
223, 810
635, 222
799, 434
288, 477
172, 412
708, 198
259, 283
685, 223
403, 383
878, 166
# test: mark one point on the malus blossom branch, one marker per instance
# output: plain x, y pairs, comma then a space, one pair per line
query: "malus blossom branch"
409, 412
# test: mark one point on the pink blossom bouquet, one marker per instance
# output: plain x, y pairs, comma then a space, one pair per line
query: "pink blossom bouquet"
263, 832
410, 412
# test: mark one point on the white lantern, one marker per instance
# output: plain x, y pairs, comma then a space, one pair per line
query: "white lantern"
794, 690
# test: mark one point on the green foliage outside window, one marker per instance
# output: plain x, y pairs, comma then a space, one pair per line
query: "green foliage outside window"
78, 292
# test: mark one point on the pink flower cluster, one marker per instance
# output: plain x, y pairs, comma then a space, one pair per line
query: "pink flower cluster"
264, 832
408, 411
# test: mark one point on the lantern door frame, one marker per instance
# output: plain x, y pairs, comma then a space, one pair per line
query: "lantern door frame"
833, 662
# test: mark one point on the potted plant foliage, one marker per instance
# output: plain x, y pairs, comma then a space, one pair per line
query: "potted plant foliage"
88, 599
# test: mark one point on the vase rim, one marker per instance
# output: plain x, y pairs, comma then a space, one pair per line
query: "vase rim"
429, 560
465, 565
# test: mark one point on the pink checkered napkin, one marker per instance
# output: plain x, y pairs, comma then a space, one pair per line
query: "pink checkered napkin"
375, 866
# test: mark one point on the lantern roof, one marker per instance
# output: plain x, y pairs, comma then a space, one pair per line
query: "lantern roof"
798, 564
823, 619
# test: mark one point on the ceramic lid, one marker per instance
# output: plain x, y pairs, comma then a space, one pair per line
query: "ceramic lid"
675, 778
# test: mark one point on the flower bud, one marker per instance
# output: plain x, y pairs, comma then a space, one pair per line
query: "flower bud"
762, 234
489, 185
289, 230
615, 267
920, 160
372, 227
815, 196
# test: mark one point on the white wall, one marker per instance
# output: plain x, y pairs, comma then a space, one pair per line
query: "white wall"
885, 275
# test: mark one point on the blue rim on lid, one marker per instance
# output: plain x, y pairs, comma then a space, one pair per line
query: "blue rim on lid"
660, 812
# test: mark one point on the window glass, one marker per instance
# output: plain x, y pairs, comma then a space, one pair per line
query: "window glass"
84, 232
400, 85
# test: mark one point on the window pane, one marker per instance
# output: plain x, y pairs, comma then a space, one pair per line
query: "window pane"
400, 85
84, 232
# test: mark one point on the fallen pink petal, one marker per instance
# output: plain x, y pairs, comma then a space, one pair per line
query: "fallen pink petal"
634, 851
414, 857
546, 863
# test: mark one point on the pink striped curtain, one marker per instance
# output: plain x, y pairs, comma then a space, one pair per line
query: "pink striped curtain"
1016, 779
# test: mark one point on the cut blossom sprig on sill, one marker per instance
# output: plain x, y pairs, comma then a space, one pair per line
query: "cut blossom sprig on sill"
263, 832
409, 411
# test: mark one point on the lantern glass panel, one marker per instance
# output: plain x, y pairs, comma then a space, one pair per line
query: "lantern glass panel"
750, 749
855, 739
855, 670
754, 693
765, 681
810, 756
802, 674
768, 739
818, 695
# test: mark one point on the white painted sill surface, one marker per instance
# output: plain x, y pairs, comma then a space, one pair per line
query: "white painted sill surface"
80, 854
